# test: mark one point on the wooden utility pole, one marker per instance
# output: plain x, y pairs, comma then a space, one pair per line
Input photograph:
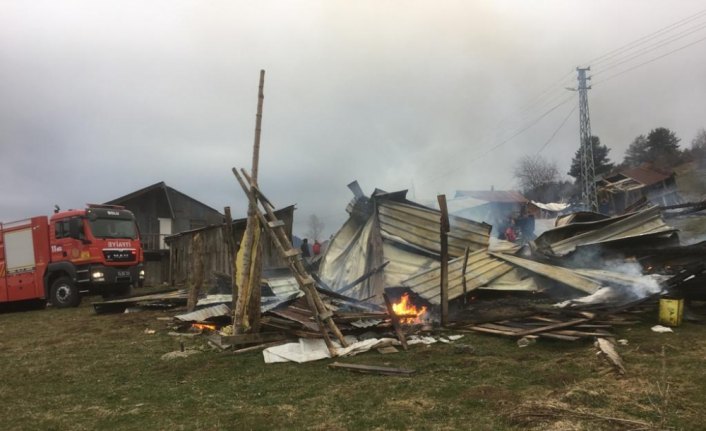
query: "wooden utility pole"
240, 320
444, 240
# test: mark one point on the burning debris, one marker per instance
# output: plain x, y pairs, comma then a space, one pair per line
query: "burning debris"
407, 312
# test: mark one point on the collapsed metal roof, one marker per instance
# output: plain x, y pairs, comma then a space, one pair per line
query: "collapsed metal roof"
481, 270
564, 240
389, 228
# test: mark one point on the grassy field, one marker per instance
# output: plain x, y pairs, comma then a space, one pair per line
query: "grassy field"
74, 370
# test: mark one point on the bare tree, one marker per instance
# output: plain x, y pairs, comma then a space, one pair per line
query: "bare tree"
699, 142
316, 227
533, 172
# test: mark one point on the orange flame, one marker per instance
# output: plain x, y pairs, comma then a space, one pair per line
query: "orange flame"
203, 326
407, 312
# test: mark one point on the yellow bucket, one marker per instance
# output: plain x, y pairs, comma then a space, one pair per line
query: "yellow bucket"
671, 311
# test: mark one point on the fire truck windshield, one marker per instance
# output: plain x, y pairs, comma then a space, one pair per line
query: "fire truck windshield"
113, 228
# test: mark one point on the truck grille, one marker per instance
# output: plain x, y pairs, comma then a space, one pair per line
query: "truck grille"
119, 255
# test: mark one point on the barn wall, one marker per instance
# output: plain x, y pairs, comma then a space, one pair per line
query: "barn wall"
216, 257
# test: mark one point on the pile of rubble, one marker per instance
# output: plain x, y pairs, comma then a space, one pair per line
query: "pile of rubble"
571, 282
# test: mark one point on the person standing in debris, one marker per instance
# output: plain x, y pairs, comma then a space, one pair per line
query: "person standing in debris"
316, 248
510, 234
305, 248
501, 227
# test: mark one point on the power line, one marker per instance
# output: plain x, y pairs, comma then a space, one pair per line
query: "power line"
557, 130
641, 40
539, 96
505, 141
651, 48
651, 60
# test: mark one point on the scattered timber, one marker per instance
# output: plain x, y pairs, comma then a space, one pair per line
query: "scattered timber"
372, 369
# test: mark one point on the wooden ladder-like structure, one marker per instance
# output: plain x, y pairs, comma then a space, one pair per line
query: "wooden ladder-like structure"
323, 316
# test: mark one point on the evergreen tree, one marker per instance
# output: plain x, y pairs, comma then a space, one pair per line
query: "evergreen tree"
601, 162
660, 148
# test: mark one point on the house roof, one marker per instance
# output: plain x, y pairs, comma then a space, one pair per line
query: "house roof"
507, 196
646, 175
158, 186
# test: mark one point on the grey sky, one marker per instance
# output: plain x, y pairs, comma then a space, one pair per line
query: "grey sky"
100, 98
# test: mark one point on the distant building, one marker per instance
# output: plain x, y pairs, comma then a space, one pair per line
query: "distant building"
490, 205
619, 191
161, 211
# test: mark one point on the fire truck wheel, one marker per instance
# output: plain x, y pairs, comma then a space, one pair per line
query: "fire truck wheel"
64, 293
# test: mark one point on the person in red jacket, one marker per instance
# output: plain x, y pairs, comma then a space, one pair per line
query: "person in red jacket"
510, 234
316, 248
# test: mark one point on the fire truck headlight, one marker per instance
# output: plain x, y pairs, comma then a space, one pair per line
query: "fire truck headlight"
98, 276
142, 274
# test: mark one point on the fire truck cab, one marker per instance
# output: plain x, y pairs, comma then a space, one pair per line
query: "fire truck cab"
94, 250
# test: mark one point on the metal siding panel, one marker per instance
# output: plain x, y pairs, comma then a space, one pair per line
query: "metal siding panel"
481, 269
420, 227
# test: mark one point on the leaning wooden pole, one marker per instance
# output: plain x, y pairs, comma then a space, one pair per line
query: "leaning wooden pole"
240, 318
444, 240
232, 250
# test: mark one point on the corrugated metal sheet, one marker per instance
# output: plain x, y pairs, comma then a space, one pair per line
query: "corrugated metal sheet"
346, 257
419, 227
401, 233
560, 241
493, 195
481, 270
283, 286
557, 273
205, 313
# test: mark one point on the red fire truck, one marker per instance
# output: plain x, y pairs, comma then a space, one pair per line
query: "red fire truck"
94, 250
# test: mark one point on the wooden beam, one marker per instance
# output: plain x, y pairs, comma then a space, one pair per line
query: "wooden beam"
463, 276
549, 328
240, 320
372, 369
444, 240
230, 243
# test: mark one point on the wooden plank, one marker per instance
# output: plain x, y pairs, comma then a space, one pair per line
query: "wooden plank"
551, 327
348, 316
275, 223
373, 369
395, 322
259, 347
607, 347
292, 252
491, 330
582, 333
463, 276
